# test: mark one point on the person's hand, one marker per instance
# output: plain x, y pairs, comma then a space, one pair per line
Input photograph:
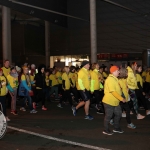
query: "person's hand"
92, 92
83, 90
144, 93
124, 100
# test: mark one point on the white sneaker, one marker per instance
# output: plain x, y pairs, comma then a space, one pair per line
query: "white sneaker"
139, 116
7, 119
22, 109
33, 111
148, 112
123, 115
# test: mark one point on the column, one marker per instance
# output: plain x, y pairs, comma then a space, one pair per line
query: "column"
93, 31
47, 43
6, 33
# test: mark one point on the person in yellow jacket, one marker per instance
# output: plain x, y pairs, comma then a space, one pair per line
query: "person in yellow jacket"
111, 100
53, 83
96, 82
84, 81
147, 82
73, 80
12, 80
105, 72
132, 85
125, 106
66, 87
3, 93
139, 90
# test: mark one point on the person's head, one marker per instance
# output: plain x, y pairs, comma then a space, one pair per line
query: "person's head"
33, 66
123, 73
139, 68
66, 69
41, 69
134, 66
1, 72
47, 72
6, 63
105, 69
72, 69
95, 66
86, 64
13, 69
114, 70
25, 69
101, 69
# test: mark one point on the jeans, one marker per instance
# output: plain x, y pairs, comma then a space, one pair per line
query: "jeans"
109, 111
29, 102
3, 104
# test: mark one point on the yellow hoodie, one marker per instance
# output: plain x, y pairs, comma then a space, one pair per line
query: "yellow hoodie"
131, 80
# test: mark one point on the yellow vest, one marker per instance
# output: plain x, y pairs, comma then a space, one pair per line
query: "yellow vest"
54, 79
65, 77
3, 89
59, 76
12, 81
6, 71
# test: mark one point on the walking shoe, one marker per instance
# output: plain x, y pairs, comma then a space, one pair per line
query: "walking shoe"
59, 105
44, 108
139, 116
14, 112
147, 112
118, 131
107, 132
74, 111
123, 115
22, 109
34, 105
88, 117
33, 111
111, 122
7, 119
131, 113
100, 112
131, 126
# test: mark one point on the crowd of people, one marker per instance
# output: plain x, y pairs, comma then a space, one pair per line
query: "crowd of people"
116, 92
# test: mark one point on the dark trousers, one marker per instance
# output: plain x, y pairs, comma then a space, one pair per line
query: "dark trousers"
3, 104
125, 106
141, 98
75, 93
66, 95
29, 102
109, 111
8, 97
40, 93
34, 96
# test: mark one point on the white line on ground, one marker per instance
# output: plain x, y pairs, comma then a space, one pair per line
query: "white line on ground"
57, 139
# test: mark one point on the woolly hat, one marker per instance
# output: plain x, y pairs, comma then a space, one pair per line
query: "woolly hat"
85, 63
113, 69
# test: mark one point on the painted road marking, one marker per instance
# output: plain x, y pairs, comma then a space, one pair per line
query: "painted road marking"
58, 140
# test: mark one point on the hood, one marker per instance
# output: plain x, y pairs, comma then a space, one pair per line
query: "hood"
40, 67
129, 69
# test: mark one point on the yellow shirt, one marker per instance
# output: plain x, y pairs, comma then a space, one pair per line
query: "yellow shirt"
84, 79
95, 80
12, 81
111, 85
139, 79
59, 76
124, 88
3, 89
65, 77
105, 75
148, 77
6, 71
54, 79
73, 77
47, 80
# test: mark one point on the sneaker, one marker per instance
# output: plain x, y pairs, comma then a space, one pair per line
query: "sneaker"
88, 117
123, 115
74, 111
118, 131
131, 126
44, 108
100, 112
139, 116
59, 105
148, 112
14, 112
34, 105
7, 119
107, 132
22, 109
33, 111
131, 113
111, 122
